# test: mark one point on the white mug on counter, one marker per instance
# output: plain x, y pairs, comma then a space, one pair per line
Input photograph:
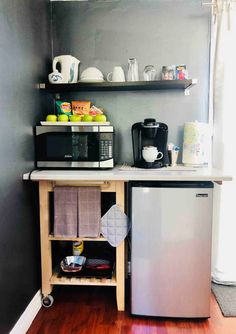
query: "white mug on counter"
151, 153
117, 75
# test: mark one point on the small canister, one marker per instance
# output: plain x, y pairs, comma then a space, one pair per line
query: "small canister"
168, 72
181, 72
78, 247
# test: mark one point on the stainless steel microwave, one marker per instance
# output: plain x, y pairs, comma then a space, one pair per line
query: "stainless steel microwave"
74, 147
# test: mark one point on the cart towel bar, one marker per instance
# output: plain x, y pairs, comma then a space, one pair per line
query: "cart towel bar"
83, 183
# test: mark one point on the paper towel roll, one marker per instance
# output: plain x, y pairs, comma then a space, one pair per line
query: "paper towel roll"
196, 143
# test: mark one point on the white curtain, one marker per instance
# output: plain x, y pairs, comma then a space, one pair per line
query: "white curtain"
224, 139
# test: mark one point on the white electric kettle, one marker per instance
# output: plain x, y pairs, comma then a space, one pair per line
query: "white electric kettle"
69, 68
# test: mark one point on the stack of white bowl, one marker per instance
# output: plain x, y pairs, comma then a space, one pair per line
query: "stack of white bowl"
91, 74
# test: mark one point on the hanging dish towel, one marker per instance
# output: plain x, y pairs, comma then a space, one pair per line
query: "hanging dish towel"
115, 225
65, 211
89, 211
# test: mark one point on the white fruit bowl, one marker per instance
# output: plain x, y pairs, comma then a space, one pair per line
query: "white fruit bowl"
74, 123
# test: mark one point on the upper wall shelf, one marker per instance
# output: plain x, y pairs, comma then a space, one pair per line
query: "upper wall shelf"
119, 86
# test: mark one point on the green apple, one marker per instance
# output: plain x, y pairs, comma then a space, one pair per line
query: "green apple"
51, 118
75, 118
87, 118
100, 118
63, 118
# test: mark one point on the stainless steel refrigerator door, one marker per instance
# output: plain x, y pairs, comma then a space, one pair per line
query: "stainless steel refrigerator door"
171, 252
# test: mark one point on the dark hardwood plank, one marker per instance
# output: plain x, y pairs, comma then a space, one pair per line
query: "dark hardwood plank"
92, 310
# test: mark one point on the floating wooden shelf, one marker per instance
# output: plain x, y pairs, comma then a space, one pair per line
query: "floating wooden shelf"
119, 86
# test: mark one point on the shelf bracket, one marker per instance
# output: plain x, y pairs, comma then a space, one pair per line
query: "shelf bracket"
187, 90
41, 85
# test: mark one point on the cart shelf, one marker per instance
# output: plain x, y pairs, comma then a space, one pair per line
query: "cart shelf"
57, 279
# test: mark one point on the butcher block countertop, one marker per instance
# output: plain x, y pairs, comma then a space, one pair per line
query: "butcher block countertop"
127, 173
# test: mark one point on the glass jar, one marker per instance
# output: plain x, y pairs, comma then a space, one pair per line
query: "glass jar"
149, 73
168, 72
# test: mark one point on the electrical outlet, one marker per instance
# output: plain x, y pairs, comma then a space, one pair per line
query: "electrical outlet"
129, 267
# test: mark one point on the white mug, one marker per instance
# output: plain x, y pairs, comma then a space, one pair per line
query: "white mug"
117, 75
151, 153
151, 148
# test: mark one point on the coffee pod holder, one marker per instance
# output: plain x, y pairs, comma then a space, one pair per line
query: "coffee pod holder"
173, 152
173, 156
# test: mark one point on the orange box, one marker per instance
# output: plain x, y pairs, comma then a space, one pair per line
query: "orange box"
80, 107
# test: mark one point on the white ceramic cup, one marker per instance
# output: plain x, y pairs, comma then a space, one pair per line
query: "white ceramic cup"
117, 75
151, 153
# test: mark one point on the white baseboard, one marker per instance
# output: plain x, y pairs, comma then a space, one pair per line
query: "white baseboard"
28, 315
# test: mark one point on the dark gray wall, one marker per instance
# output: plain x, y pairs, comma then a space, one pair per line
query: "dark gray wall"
158, 32
101, 34
24, 53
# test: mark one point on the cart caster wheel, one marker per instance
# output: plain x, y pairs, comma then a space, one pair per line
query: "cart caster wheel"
47, 301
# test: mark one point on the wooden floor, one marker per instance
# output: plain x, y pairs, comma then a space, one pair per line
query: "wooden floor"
92, 310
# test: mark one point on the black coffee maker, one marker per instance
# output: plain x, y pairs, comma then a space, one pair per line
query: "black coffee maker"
149, 133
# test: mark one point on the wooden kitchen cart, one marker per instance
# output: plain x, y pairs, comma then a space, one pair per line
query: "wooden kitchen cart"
51, 277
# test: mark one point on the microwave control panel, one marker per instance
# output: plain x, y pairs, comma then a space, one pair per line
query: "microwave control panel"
106, 146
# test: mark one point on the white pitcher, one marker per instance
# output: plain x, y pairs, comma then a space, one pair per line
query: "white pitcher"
69, 68
117, 75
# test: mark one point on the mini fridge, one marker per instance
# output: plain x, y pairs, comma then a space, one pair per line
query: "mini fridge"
171, 248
